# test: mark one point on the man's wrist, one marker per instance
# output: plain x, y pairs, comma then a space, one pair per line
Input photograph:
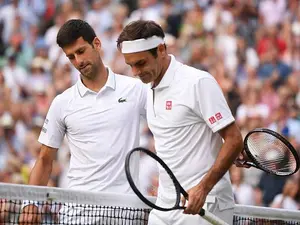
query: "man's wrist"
204, 188
29, 202
206, 184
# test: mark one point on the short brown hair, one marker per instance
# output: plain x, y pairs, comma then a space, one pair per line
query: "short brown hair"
140, 29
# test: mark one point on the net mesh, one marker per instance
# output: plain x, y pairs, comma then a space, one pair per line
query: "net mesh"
271, 153
253, 215
56, 213
63, 206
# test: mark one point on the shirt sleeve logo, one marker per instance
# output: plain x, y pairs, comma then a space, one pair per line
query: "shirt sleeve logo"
212, 120
215, 118
168, 105
218, 116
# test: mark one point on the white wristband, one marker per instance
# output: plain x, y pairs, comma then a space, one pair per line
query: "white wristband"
29, 202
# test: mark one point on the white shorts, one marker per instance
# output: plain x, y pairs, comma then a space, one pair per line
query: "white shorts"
176, 217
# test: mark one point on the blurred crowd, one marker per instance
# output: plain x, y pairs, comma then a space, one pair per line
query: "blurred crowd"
251, 47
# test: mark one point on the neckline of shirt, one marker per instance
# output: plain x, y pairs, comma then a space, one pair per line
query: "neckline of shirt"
110, 83
169, 74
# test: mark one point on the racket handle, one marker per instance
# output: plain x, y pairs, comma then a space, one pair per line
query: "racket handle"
214, 220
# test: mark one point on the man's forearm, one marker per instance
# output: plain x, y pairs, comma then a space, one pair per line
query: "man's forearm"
40, 173
227, 155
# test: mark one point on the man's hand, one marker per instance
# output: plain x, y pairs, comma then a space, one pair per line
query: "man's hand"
30, 215
242, 159
197, 196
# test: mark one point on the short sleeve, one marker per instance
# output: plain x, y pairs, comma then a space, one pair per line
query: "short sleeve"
53, 130
143, 100
212, 105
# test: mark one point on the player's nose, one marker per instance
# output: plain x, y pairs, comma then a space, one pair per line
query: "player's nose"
79, 61
136, 72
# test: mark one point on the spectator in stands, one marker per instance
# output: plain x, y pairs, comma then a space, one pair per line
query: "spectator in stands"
243, 192
273, 67
287, 199
270, 186
251, 106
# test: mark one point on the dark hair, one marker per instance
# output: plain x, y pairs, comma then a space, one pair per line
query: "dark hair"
73, 29
141, 29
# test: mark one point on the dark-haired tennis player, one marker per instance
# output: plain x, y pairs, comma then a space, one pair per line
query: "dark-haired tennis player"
100, 117
188, 116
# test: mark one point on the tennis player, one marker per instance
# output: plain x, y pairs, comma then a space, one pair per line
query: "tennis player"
188, 116
99, 115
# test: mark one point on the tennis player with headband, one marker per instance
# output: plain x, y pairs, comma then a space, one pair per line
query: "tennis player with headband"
188, 116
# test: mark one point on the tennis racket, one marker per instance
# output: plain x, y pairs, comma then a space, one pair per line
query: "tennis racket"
174, 190
271, 152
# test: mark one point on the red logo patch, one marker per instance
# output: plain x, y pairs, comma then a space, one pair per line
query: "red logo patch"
168, 105
212, 120
219, 116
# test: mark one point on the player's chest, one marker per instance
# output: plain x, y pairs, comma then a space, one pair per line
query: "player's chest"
170, 108
93, 116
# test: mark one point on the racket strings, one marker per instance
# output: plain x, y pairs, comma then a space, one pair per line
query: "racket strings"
167, 192
271, 153
151, 176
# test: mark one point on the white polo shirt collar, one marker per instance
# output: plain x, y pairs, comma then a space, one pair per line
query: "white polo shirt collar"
169, 75
110, 83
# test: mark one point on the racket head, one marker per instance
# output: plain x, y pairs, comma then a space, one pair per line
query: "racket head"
178, 188
271, 152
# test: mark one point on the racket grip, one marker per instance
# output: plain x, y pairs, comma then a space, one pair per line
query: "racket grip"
214, 220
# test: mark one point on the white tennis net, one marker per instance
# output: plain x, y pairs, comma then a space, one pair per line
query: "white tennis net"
253, 215
64, 206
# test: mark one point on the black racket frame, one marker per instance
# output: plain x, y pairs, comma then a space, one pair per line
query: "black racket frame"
179, 189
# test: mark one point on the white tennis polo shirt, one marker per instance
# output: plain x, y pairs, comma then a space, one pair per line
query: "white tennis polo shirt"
100, 128
184, 113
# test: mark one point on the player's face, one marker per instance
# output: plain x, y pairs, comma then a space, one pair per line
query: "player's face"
85, 57
144, 65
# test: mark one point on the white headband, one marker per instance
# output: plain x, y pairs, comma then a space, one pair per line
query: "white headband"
140, 45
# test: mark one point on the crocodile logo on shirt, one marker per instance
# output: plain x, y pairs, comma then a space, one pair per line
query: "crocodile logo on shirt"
121, 100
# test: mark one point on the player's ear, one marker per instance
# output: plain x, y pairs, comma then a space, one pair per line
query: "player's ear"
162, 50
97, 43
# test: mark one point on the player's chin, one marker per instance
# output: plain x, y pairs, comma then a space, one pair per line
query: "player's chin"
145, 79
88, 75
